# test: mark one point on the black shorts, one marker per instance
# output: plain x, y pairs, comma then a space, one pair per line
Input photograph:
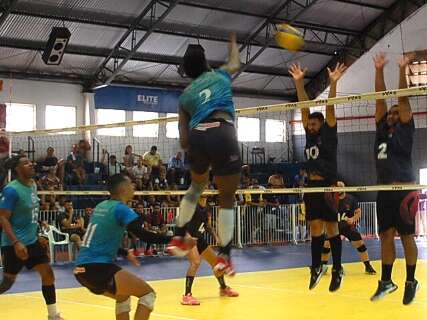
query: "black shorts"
390, 215
97, 277
214, 145
317, 205
350, 232
37, 254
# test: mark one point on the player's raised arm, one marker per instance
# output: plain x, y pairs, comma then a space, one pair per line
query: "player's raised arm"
334, 76
298, 74
233, 63
405, 111
381, 107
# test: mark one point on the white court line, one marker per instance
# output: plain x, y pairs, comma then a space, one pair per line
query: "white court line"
421, 302
160, 315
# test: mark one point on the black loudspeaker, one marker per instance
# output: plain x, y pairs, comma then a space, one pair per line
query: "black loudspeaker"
55, 46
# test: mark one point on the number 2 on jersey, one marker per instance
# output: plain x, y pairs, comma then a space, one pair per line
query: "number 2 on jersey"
89, 235
382, 151
206, 95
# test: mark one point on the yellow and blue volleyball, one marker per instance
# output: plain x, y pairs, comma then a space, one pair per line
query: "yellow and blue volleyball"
288, 37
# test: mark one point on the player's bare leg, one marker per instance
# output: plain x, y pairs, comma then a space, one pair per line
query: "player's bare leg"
128, 284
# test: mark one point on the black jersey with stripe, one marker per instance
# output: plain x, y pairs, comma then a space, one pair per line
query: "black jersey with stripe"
197, 225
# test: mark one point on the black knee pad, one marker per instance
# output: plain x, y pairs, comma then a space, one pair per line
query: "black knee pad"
202, 245
362, 248
326, 250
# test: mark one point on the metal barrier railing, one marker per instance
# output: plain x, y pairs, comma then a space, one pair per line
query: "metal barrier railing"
256, 225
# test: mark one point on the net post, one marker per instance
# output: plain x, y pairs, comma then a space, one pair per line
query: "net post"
239, 228
293, 224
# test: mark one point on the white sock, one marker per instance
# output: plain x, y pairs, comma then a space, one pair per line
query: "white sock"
225, 226
52, 310
188, 204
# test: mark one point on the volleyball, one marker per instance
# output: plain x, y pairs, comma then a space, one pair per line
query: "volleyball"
288, 37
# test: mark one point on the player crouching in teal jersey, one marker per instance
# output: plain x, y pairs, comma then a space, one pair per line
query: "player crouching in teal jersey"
19, 208
207, 132
95, 268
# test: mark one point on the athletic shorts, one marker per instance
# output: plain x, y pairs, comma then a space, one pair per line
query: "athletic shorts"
350, 232
97, 277
214, 144
37, 254
392, 211
317, 205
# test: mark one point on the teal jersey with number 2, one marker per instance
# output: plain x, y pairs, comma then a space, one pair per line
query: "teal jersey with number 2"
105, 231
24, 205
208, 93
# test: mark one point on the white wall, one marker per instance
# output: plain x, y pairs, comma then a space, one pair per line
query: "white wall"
42, 93
360, 77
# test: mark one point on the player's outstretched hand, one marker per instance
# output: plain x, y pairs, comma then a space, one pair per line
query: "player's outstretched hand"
134, 260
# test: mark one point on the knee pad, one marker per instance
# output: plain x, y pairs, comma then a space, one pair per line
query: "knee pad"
362, 248
326, 250
148, 300
123, 307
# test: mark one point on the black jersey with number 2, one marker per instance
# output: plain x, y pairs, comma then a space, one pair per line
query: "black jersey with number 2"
321, 152
393, 149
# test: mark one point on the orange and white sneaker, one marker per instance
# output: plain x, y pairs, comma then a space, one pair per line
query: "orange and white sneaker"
189, 300
228, 292
224, 266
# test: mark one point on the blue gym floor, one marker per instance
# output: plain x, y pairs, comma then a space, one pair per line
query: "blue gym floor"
246, 260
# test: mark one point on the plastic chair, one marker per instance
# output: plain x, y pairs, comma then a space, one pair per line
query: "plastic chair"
51, 232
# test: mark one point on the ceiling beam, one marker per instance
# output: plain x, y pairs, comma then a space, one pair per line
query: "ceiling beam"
375, 31
131, 35
139, 56
363, 4
82, 80
77, 15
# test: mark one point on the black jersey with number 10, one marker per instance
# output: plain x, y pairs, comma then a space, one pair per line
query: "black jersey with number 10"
321, 152
393, 149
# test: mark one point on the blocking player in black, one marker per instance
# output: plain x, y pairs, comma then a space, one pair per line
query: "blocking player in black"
349, 214
321, 156
396, 210
197, 227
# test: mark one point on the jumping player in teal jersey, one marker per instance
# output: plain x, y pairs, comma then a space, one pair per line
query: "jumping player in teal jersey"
20, 245
207, 132
95, 268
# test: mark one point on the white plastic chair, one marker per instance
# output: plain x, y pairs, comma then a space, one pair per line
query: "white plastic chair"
52, 242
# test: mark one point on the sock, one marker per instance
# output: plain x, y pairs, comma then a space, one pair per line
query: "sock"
221, 282
367, 263
225, 226
336, 249
49, 295
386, 272
188, 204
316, 251
410, 272
188, 284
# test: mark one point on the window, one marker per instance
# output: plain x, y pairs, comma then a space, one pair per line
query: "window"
105, 116
146, 130
172, 127
423, 177
417, 73
275, 130
248, 129
60, 117
20, 117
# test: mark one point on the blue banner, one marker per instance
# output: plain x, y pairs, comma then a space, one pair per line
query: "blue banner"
137, 99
